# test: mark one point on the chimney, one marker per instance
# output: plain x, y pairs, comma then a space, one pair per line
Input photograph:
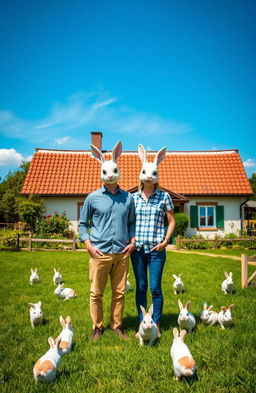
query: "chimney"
97, 139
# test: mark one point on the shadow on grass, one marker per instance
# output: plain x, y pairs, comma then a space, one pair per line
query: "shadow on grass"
168, 321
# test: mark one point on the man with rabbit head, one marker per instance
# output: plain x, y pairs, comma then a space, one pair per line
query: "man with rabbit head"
107, 228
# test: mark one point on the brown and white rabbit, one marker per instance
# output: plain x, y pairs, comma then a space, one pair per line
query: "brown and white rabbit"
57, 277
149, 170
66, 335
186, 320
183, 363
46, 367
110, 172
147, 330
227, 285
208, 316
34, 277
178, 284
225, 316
36, 314
64, 293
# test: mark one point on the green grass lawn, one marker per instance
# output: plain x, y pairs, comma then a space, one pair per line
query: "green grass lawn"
226, 359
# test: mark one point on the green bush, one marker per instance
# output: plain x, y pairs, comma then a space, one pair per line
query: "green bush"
56, 225
182, 221
9, 238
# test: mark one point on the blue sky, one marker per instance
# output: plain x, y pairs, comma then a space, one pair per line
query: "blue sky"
179, 74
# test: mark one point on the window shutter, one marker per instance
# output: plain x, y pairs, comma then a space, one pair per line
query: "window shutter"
219, 216
194, 216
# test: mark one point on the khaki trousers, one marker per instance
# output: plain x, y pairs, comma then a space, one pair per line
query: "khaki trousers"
116, 266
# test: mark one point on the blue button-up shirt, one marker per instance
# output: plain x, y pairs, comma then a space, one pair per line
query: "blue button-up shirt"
108, 220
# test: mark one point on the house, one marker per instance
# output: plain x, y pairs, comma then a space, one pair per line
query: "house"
211, 187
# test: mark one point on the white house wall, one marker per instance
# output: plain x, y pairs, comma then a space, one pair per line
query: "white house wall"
232, 221
61, 204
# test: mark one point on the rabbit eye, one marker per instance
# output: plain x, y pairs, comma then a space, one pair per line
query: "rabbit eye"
144, 321
143, 171
104, 172
155, 173
187, 313
115, 170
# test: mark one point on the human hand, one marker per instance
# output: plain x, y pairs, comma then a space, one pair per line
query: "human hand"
129, 249
159, 247
94, 252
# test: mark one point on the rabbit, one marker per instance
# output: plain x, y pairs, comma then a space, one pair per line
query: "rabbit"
147, 330
57, 277
227, 285
225, 316
64, 293
34, 277
110, 172
178, 284
127, 285
208, 316
183, 363
186, 320
36, 315
149, 170
66, 335
46, 367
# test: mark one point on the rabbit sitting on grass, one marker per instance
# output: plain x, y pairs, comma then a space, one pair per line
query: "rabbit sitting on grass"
34, 277
147, 330
64, 293
183, 363
36, 315
208, 316
186, 320
46, 367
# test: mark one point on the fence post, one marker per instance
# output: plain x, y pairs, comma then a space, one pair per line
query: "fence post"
74, 242
178, 242
244, 271
29, 242
18, 242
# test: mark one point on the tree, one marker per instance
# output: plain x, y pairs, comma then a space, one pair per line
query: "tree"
30, 210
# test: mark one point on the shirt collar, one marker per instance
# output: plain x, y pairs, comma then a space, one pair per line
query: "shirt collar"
156, 191
105, 190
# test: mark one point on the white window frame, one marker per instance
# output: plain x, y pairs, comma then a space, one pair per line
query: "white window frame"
206, 216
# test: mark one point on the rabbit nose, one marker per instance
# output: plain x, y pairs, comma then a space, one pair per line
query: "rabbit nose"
110, 177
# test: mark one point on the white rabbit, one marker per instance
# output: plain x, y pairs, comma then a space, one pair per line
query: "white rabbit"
178, 284
57, 277
36, 315
186, 320
127, 285
66, 335
208, 316
147, 330
227, 285
46, 367
183, 363
64, 293
225, 316
34, 277
149, 170
110, 172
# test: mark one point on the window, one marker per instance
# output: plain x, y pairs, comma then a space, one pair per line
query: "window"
207, 216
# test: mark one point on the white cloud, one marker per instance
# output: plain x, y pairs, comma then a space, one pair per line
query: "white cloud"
249, 163
12, 158
61, 141
85, 112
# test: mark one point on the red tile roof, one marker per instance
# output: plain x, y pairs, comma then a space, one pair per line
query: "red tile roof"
60, 172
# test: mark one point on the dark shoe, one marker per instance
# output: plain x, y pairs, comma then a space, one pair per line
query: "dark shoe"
120, 333
96, 333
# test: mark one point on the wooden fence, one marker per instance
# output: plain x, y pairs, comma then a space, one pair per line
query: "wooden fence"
217, 240
245, 260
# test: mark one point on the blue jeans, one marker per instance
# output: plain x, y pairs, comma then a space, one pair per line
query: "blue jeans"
141, 262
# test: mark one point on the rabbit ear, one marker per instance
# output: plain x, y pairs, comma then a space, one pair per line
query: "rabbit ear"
183, 334
180, 305
128, 275
188, 305
231, 307
57, 341
62, 286
230, 274
55, 270
116, 151
58, 269
209, 308
97, 154
180, 274
223, 308
39, 303
31, 305
32, 271
150, 311
226, 274
142, 154
160, 156
174, 276
62, 322
175, 332
68, 320
143, 311
36, 270
51, 342
205, 306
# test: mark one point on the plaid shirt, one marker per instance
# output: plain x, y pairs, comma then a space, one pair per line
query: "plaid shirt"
149, 229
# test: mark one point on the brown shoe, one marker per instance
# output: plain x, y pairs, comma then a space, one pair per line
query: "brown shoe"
120, 333
96, 333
